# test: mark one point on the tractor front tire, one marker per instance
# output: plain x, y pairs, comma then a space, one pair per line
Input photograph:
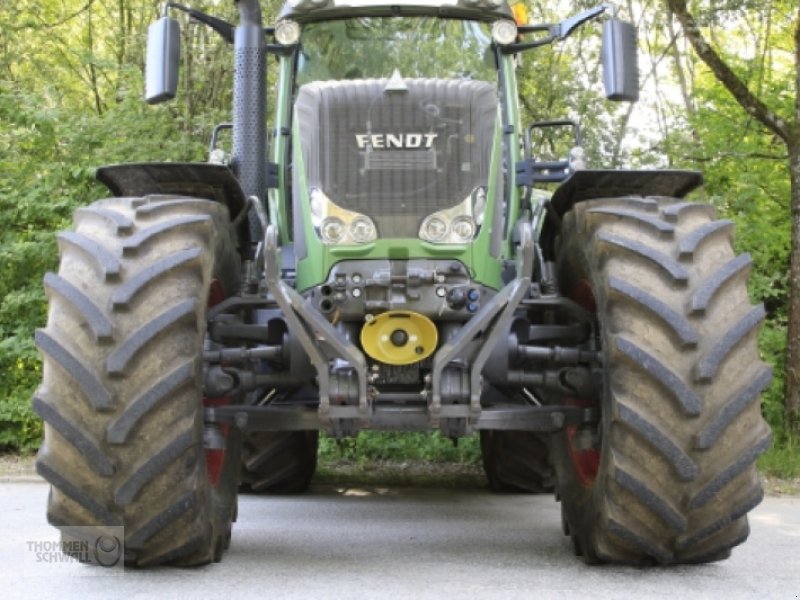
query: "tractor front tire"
668, 476
121, 394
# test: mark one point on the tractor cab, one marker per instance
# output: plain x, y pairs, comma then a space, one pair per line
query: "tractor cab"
394, 152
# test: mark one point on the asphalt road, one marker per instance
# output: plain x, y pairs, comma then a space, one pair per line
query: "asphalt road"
400, 543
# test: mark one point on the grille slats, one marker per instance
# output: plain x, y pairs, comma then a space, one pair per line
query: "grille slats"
410, 182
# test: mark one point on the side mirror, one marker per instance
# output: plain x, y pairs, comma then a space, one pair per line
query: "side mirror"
163, 60
620, 61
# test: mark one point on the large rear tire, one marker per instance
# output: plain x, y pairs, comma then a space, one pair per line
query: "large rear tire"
121, 393
668, 476
516, 461
279, 462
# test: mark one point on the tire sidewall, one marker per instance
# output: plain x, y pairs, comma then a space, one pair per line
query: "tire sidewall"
583, 504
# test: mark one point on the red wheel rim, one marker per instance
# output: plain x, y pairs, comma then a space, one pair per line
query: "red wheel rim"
585, 462
215, 457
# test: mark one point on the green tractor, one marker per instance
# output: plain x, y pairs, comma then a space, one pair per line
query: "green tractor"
385, 256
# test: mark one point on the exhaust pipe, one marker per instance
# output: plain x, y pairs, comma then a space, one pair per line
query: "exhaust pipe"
249, 154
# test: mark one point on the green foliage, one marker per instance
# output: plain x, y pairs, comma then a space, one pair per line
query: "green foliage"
772, 342
748, 179
52, 137
379, 446
782, 459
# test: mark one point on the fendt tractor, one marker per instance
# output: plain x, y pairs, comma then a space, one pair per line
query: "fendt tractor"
389, 254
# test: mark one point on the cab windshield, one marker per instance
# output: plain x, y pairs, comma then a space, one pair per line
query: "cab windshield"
374, 47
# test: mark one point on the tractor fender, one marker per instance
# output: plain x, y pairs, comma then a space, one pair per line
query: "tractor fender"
594, 184
197, 180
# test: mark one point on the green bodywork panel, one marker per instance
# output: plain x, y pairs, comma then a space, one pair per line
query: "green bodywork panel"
484, 268
313, 269
278, 199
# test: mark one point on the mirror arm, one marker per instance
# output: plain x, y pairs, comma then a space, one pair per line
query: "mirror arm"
520, 46
567, 26
559, 31
223, 28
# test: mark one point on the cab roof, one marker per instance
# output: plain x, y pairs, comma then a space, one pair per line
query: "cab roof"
305, 11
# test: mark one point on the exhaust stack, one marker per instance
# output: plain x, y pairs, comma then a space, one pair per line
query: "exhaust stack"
249, 155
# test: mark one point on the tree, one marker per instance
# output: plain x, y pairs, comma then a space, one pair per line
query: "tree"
786, 128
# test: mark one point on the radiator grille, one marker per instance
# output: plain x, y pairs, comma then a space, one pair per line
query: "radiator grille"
397, 187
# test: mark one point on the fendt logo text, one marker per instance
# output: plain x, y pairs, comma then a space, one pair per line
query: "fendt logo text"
401, 141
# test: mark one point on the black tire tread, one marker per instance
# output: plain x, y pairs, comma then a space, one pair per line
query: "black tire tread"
682, 329
91, 314
125, 293
682, 423
134, 244
709, 288
681, 463
93, 390
667, 264
707, 368
122, 224
120, 428
692, 241
658, 225
49, 413
108, 264
119, 360
123, 422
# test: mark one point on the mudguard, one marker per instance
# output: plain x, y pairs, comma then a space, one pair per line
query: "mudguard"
593, 184
198, 180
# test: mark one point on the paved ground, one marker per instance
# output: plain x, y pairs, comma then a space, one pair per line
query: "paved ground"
400, 543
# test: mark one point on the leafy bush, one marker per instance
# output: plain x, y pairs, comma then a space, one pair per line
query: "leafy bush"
47, 162
378, 445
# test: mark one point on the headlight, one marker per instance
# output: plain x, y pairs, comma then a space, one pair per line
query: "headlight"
362, 230
332, 230
457, 225
463, 228
287, 32
338, 226
434, 229
504, 32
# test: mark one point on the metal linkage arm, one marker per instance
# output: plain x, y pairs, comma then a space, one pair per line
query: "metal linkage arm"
311, 329
491, 322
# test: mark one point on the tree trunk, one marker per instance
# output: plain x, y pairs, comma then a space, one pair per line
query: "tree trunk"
792, 391
788, 131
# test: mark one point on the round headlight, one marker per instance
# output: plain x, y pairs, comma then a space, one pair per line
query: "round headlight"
287, 32
332, 230
362, 230
433, 229
504, 32
463, 228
